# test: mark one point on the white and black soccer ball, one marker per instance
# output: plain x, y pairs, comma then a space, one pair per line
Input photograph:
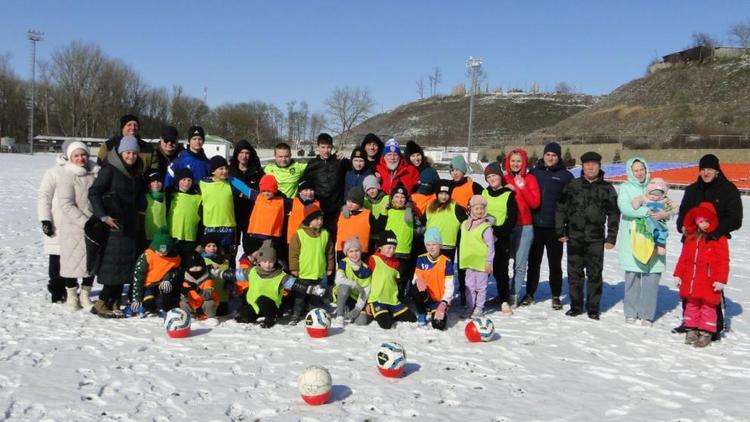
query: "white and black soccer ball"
317, 323
391, 359
177, 323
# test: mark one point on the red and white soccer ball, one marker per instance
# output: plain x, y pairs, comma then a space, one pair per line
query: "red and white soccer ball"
315, 385
479, 329
177, 323
391, 359
317, 323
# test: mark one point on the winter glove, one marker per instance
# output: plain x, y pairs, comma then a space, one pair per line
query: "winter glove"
718, 287
48, 228
714, 235
345, 212
135, 306
207, 293
165, 286
409, 215
316, 290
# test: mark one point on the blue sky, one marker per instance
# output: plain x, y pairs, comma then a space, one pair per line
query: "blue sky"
279, 51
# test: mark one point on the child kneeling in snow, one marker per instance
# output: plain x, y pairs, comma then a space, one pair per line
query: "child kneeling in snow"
701, 273
433, 282
657, 202
382, 303
156, 275
352, 288
198, 295
265, 288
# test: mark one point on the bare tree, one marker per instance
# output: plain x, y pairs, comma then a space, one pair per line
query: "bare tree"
435, 80
420, 87
702, 39
349, 106
563, 88
317, 123
739, 34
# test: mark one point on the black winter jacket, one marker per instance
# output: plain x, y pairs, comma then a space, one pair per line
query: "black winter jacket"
328, 178
584, 208
552, 181
725, 197
251, 177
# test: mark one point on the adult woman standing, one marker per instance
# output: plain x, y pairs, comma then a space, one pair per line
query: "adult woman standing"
116, 196
72, 191
641, 280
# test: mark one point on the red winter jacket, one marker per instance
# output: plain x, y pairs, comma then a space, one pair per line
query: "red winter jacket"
405, 173
702, 263
527, 198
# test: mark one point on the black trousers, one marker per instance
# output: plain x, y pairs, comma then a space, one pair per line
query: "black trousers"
386, 319
56, 284
545, 237
73, 282
500, 268
304, 301
406, 265
585, 261
111, 294
267, 309
422, 302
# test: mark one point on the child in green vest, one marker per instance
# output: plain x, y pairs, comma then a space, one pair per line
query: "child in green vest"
501, 206
218, 268
311, 258
155, 277
476, 252
218, 206
382, 303
377, 202
184, 219
446, 216
265, 290
352, 285
156, 206
399, 219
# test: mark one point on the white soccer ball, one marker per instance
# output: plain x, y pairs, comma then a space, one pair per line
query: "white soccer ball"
315, 385
480, 329
391, 359
317, 322
177, 323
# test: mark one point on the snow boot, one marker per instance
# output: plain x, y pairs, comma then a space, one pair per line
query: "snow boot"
527, 300
422, 321
71, 302
85, 297
101, 309
692, 336
704, 339
557, 303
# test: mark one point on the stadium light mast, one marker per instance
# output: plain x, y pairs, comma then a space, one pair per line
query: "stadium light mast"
34, 37
474, 64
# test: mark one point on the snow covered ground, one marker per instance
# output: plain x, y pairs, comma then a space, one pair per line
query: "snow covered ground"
56, 365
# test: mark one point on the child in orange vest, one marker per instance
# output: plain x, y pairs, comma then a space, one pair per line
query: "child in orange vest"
268, 217
155, 276
433, 282
198, 295
354, 220
305, 198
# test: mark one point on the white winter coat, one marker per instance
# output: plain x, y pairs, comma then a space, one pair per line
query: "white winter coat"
72, 192
48, 205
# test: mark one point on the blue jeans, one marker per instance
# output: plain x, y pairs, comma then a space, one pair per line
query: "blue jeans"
521, 239
641, 290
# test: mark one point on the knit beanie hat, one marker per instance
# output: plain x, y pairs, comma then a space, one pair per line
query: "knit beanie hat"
432, 235
325, 139
370, 182
443, 185
196, 131
356, 195
387, 238
266, 252
268, 183
128, 143
399, 188
371, 138
196, 261
153, 175
477, 200
427, 178
127, 119
657, 183
162, 241
553, 147
311, 213
217, 161
493, 168
211, 238
351, 243
413, 148
183, 173
73, 146
169, 133
305, 183
459, 163
392, 146
358, 152
709, 161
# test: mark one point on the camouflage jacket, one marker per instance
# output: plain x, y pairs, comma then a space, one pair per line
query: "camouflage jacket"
584, 208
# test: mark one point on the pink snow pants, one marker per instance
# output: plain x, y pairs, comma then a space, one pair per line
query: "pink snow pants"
700, 315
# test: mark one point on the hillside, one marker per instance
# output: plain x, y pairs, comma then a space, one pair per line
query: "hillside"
703, 99
443, 120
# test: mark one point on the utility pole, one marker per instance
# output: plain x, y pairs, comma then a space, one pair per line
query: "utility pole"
34, 37
474, 63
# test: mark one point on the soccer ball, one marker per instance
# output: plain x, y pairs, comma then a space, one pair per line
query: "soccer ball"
479, 329
391, 360
317, 323
315, 385
177, 323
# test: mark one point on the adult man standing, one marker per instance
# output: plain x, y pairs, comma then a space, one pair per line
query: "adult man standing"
193, 158
373, 147
712, 186
394, 169
586, 206
552, 177
327, 172
167, 150
129, 126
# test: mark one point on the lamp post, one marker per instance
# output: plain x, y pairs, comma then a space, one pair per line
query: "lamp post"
474, 63
34, 37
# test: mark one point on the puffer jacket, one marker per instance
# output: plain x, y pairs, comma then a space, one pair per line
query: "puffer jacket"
586, 208
552, 181
405, 173
328, 178
528, 197
702, 262
48, 204
73, 192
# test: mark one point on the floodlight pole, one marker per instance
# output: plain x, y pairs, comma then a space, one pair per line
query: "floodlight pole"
474, 63
34, 37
